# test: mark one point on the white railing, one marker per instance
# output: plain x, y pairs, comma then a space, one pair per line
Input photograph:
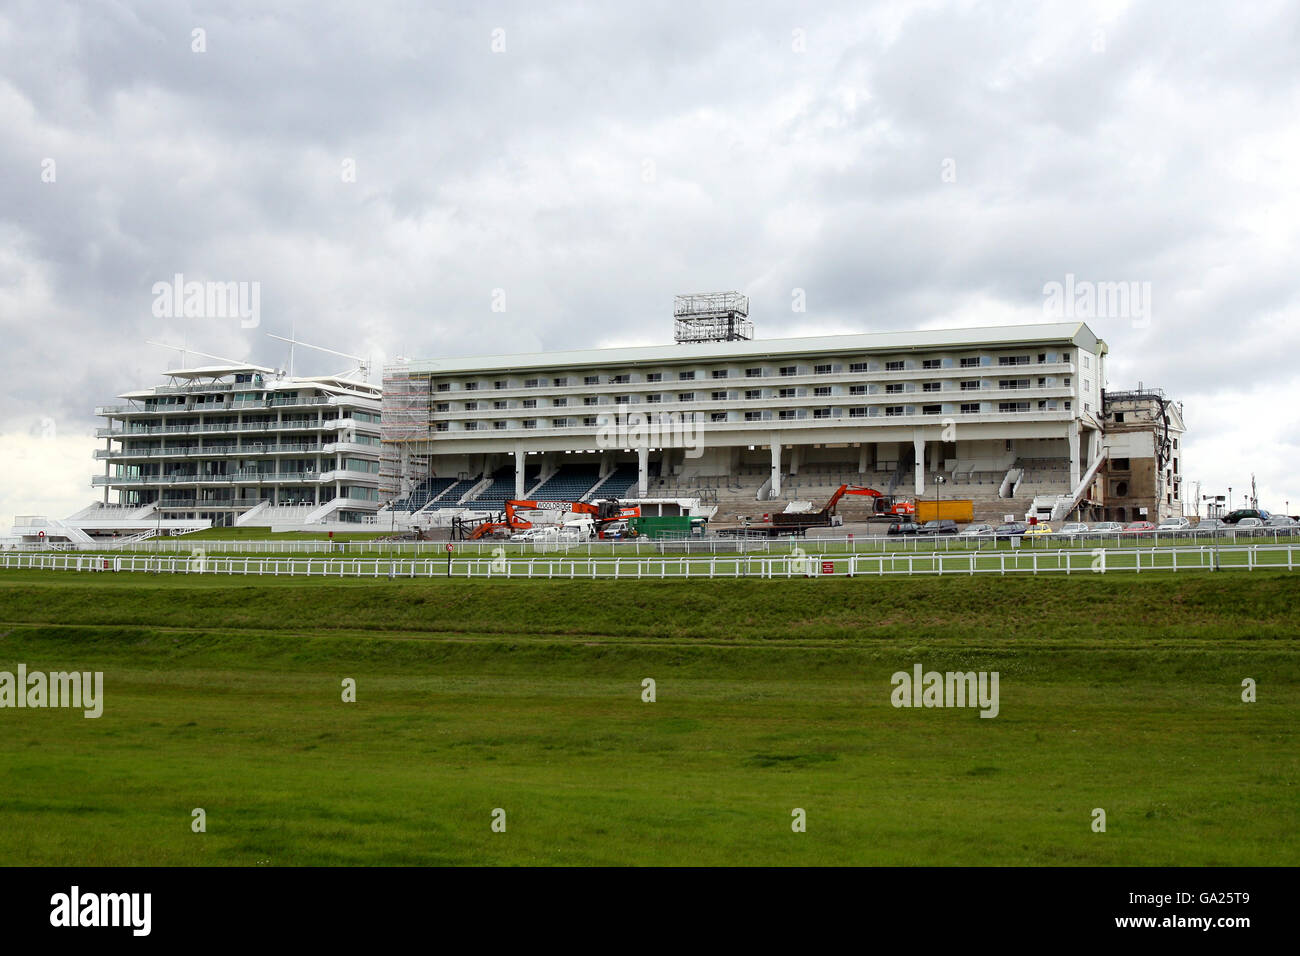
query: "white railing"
798, 565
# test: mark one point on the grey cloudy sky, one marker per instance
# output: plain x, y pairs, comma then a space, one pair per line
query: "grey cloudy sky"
904, 164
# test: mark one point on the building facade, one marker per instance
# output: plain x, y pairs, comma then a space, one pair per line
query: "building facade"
215, 443
1142, 478
915, 405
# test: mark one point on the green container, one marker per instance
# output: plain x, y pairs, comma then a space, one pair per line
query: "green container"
655, 527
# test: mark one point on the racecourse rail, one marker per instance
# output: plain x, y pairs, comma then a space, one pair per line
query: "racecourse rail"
797, 565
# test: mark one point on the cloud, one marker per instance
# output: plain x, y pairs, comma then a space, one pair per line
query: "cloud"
612, 157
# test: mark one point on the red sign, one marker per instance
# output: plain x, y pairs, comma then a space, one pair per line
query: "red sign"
449, 547
828, 567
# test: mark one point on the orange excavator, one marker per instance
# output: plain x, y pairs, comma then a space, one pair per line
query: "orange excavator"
885, 506
601, 513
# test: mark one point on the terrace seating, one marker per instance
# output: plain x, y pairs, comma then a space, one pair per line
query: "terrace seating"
569, 483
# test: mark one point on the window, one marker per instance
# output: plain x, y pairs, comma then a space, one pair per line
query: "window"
786, 414
591, 400
719, 396
970, 408
787, 393
1042, 357
471, 386
857, 389
686, 396
560, 382
1013, 383
1067, 381
788, 370
894, 366
589, 422
970, 362
1087, 385
718, 417
622, 399
822, 369
930, 387
440, 426
654, 399
444, 386
559, 402
753, 416
753, 393
471, 406
500, 384
720, 373
500, 405
1013, 406
1067, 406
1013, 359
931, 409
858, 367
894, 388
471, 426
859, 412
1087, 360
1120, 464
970, 386
753, 373
619, 379
655, 377
822, 390
499, 425
821, 413
1119, 417
442, 407
530, 403
530, 423
559, 423
685, 376
893, 410
932, 363
591, 380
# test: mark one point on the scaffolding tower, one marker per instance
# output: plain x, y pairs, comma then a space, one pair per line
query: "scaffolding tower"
711, 317
405, 419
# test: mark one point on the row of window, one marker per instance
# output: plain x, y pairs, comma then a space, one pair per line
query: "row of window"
785, 414
896, 365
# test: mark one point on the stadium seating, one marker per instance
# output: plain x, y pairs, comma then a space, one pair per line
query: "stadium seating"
569, 483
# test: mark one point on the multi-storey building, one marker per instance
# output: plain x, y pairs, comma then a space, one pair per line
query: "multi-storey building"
917, 405
214, 443
1142, 480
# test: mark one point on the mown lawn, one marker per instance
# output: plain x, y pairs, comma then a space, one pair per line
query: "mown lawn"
1121, 692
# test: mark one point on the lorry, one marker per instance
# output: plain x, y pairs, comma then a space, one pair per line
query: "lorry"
796, 519
960, 510
582, 519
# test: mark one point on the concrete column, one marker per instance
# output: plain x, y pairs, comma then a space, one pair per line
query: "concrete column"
775, 443
936, 456
520, 458
862, 459
1072, 433
794, 460
918, 449
643, 471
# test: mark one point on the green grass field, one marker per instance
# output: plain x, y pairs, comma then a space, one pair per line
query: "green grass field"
1121, 692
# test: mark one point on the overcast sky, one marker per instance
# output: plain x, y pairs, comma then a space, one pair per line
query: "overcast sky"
388, 172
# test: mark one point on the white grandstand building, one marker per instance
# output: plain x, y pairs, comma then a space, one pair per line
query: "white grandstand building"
227, 445
1002, 415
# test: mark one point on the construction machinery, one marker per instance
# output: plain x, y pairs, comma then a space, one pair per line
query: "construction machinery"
795, 520
513, 520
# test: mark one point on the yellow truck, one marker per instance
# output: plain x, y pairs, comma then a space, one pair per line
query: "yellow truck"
960, 510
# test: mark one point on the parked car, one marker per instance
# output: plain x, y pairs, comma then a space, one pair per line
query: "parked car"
1140, 529
1280, 521
1234, 517
977, 531
1249, 524
1173, 524
1074, 529
1012, 529
942, 526
1209, 524
1107, 527
906, 528
1041, 527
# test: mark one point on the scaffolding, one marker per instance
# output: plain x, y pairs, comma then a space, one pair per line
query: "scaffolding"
406, 418
711, 317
